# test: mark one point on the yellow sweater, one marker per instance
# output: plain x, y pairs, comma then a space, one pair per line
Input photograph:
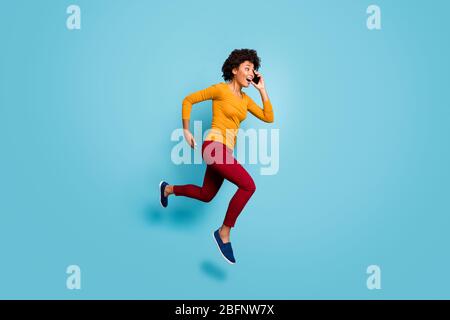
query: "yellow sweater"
228, 111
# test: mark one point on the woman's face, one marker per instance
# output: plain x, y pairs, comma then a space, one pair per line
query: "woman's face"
244, 74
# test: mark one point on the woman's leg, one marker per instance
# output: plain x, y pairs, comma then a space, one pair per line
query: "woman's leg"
236, 173
216, 172
221, 159
212, 182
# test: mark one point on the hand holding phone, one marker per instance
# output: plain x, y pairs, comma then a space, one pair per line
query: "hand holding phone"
255, 78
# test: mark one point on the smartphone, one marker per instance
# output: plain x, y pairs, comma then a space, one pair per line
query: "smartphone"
255, 78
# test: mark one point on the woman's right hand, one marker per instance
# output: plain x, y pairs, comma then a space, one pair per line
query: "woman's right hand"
190, 139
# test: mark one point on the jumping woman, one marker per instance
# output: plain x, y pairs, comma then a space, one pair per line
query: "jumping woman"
229, 108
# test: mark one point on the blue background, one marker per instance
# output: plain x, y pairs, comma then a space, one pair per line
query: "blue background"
85, 124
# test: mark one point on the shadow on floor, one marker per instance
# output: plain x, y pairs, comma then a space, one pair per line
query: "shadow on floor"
181, 212
213, 271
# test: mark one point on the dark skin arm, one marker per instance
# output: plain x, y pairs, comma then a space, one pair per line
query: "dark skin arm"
188, 135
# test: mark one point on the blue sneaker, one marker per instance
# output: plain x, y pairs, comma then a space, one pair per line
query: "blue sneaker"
224, 248
163, 200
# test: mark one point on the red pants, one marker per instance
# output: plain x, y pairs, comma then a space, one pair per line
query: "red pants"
221, 165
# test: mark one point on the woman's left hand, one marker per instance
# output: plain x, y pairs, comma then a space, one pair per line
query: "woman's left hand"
260, 84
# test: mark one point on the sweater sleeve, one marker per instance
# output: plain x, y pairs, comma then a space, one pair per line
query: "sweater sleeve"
209, 93
265, 114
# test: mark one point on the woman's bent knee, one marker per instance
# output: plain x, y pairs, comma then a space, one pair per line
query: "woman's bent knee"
249, 186
207, 197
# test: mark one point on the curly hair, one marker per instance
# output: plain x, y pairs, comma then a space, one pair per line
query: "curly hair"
236, 58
